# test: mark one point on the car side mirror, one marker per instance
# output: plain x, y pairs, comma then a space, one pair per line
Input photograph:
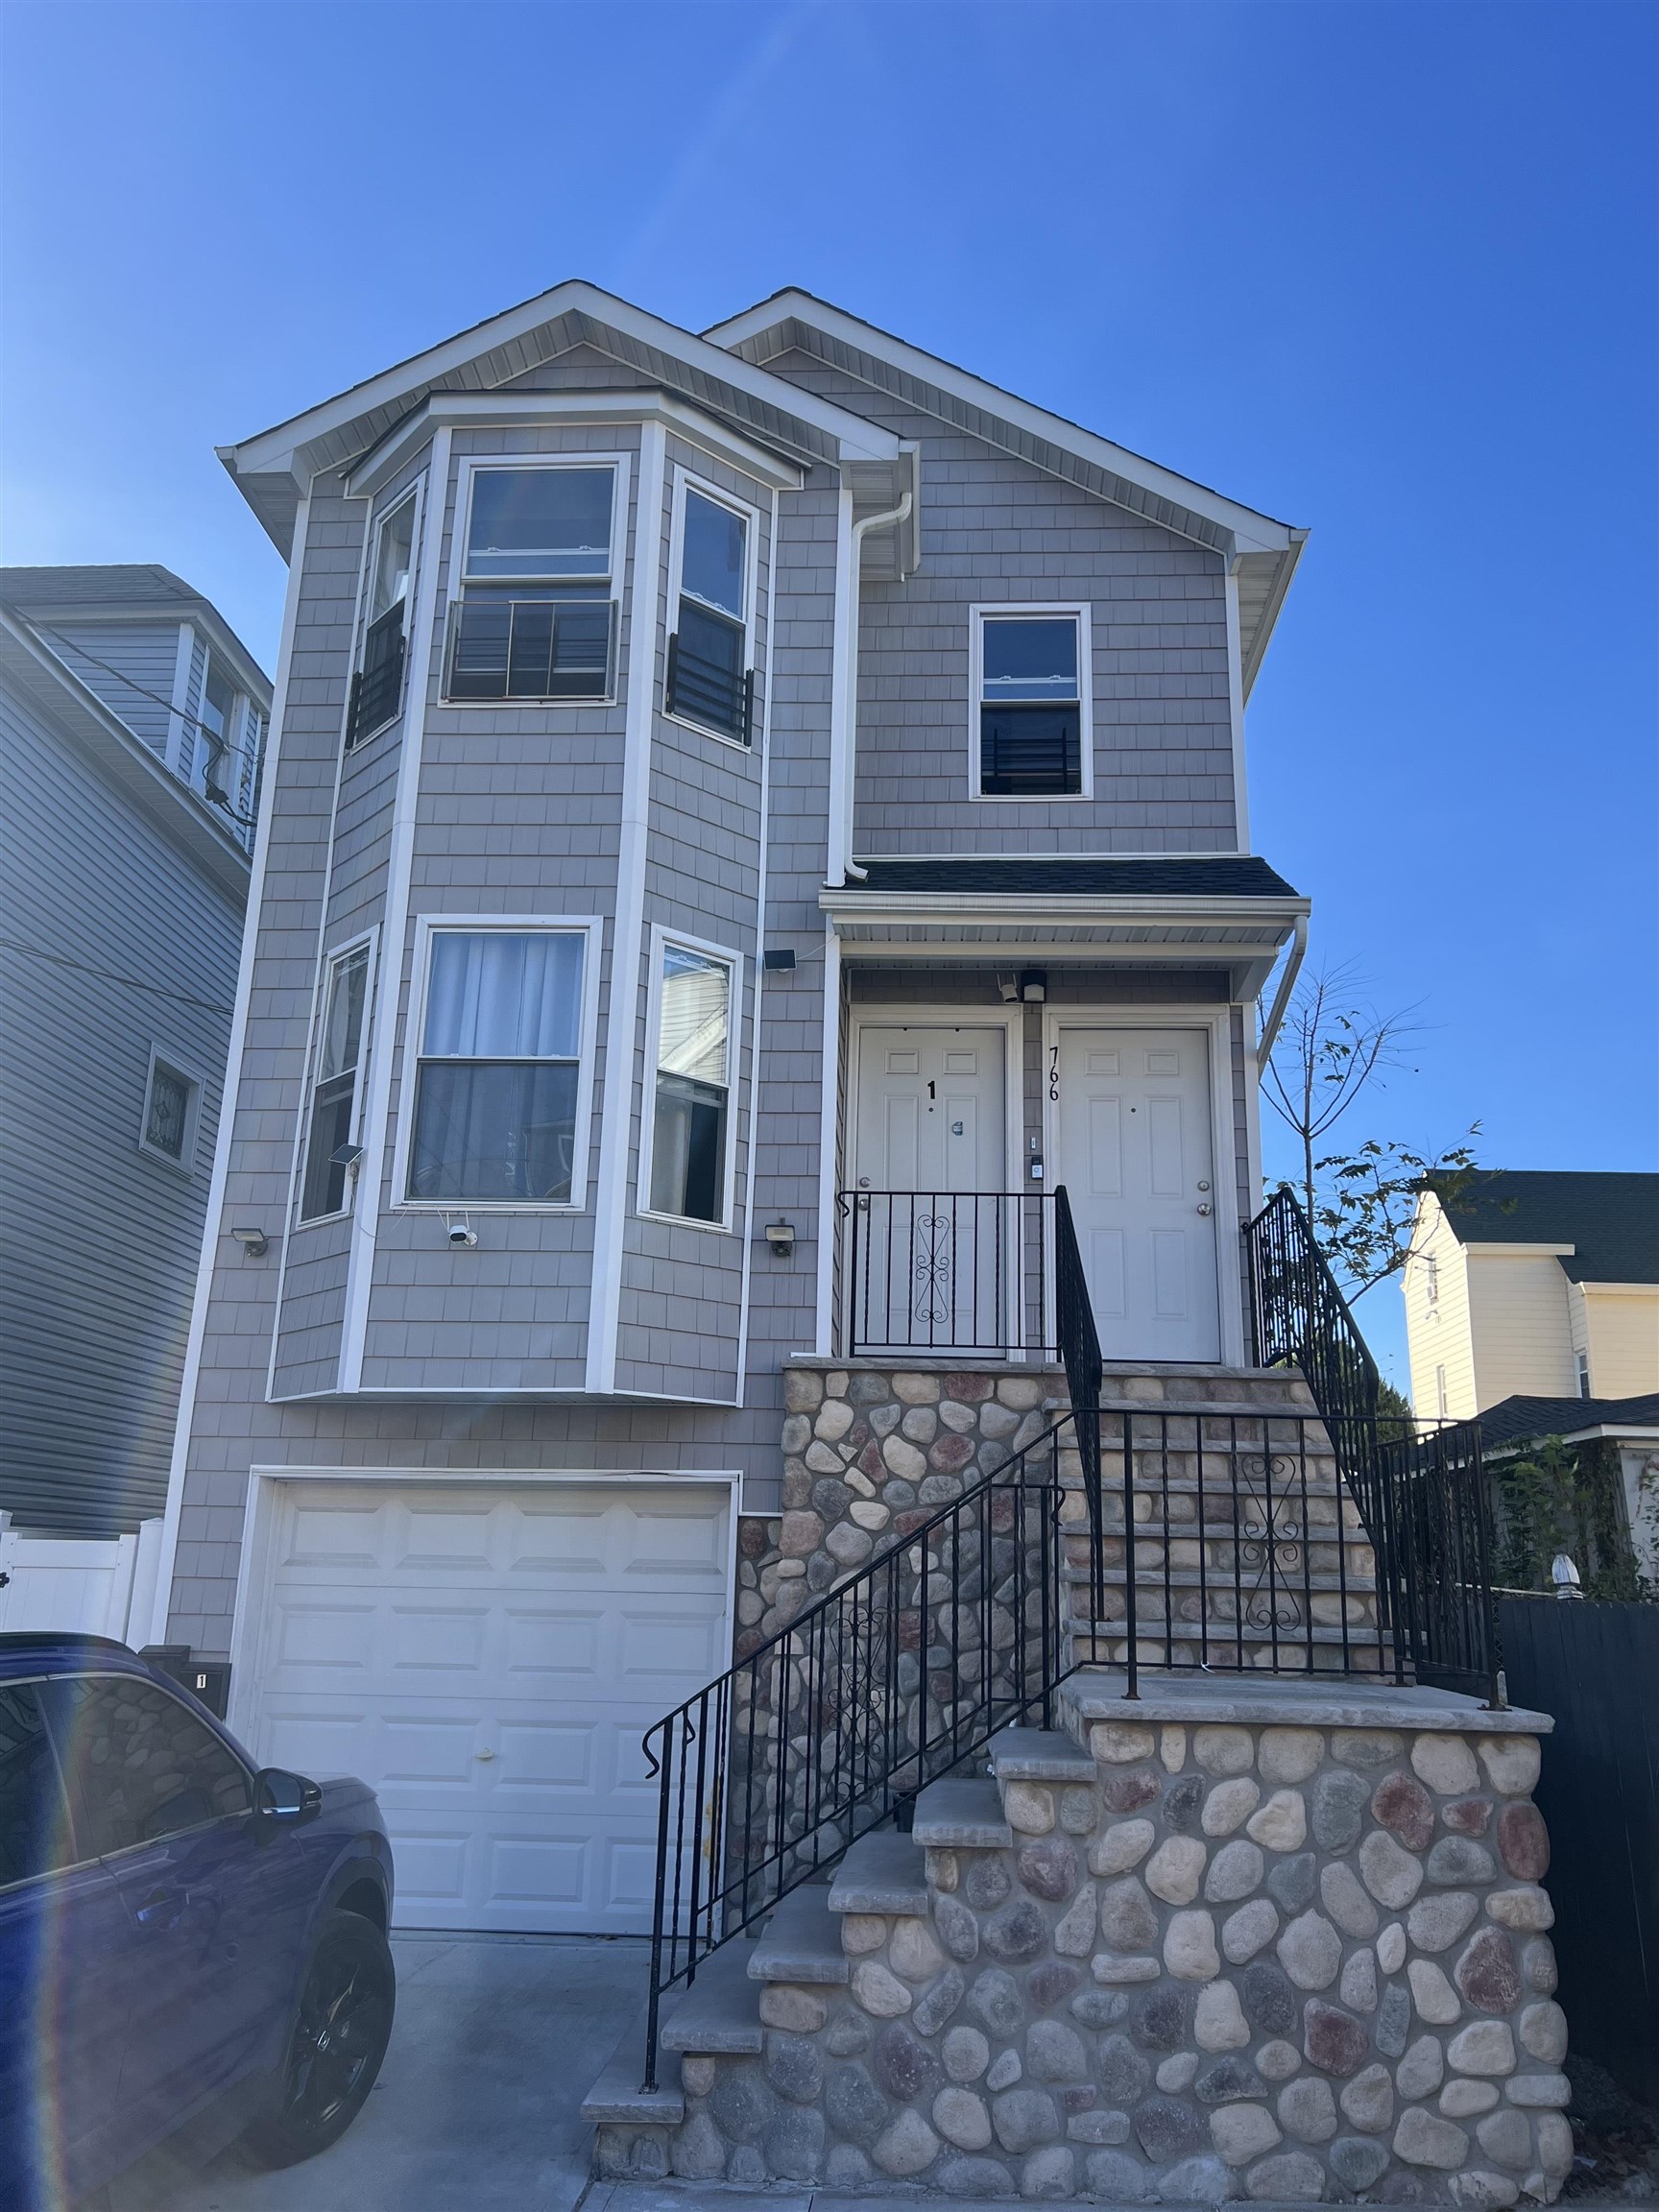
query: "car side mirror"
284, 1800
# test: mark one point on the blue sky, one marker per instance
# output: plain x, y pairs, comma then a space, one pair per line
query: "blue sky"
1386, 272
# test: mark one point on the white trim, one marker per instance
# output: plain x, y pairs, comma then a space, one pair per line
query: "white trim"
1216, 1023
413, 493
1081, 611
622, 1012
210, 1231
1235, 713
829, 1111
732, 960
174, 741
683, 481
400, 872
185, 1163
364, 940
247, 1668
745, 1282
1518, 1251
590, 929
1591, 1290
843, 692
1255, 1167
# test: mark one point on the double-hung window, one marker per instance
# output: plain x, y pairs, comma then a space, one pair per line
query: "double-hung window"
331, 1124
220, 719
1032, 740
690, 1122
378, 688
535, 618
708, 682
496, 1077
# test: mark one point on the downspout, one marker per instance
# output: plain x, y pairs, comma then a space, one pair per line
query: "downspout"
1282, 996
849, 762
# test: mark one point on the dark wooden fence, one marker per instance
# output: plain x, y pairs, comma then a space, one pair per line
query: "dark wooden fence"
1596, 1668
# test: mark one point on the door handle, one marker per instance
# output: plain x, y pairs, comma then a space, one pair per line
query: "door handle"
1204, 1209
863, 1182
483, 1754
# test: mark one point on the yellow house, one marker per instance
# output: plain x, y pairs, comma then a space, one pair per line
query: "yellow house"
1543, 1286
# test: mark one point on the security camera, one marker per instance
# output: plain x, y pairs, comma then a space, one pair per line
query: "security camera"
460, 1234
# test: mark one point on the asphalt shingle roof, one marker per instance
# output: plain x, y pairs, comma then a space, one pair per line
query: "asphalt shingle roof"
125, 584
1523, 1420
1206, 875
1611, 1221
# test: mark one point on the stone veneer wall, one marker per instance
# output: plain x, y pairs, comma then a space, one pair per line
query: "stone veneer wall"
1275, 1962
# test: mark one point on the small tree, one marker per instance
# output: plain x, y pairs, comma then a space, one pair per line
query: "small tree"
1361, 1204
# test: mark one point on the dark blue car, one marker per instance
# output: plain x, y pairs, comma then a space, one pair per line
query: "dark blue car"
179, 1930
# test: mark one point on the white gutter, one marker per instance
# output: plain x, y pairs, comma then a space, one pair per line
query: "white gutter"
1286, 984
843, 742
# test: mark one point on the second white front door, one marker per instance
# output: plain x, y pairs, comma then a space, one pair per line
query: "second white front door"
1134, 1151
928, 1255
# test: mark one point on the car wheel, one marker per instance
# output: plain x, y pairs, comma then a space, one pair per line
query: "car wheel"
341, 2028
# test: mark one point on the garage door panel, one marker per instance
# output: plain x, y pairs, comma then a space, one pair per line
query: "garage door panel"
490, 1661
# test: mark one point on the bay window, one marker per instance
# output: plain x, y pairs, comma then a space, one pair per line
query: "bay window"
690, 1122
497, 1070
708, 682
535, 615
332, 1124
1032, 734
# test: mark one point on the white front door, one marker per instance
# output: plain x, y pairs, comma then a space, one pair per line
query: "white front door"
1135, 1152
930, 1244
488, 1658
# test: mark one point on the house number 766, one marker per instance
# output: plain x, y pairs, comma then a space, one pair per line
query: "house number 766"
1053, 1075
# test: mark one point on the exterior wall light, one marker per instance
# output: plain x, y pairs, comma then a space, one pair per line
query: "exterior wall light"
1034, 984
1009, 986
254, 1242
781, 1240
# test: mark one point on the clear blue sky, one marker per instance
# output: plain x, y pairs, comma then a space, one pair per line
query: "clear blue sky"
1388, 272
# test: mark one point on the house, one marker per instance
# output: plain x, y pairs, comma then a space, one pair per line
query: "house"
1617, 1439
747, 815
132, 722
1533, 1284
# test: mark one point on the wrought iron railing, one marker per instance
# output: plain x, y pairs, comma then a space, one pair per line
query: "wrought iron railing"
1420, 1493
709, 691
378, 688
946, 1271
881, 1685
502, 648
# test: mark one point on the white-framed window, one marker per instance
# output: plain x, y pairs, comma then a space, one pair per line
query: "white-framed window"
538, 570
501, 1077
710, 680
377, 685
686, 1168
1581, 1369
1440, 1393
1431, 1281
342, 1034
172, 1109
1030, 701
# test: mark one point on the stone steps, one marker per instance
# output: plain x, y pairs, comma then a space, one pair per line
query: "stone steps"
803, 1941
883, 1873
961, 1814
717, 2013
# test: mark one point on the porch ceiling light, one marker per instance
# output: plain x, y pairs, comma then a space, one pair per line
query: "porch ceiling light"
1009, 986
1034, 983
781, 1240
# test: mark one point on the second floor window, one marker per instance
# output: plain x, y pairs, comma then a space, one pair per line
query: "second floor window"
496, 1078
378, 688
535, 616
332, 1123
1030, 707
689, 1131
221, 718
708, 682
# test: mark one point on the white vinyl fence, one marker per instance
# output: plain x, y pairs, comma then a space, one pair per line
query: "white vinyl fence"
101, 1586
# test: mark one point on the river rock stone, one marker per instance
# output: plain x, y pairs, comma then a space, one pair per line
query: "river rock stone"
1123, 2073
1163, 2017
1005, 2071
1526, 1908
1229, 1805
847, 2166
1127, 1916
995, 2002
1483, 2047
793, 2068
1392, 1875
1100, 2007
909, 2146
965, 2053
1029, 1807
1166, 2128
1241, 2132
1358, 1988
1435, 1923
1523, 1841
1175, 1869
849, 2035
1079, 1809
696, 2152
1544, 2033
1228, 2082
1019, 1932
1511, 1764
1468, 1816
1340, 1801
937, 2002
987, 1881
1554, 2145
1181, 1803
1282, 1823
802, 2011
1190, 1947
1024, 2119
1334, 2040
1310, 1951
1049, 2174
906, 2069
958, 1928
1219, 2023
1445, 1763
1539, 2089
878, 1991
1203, 2180
1479, 2190
1370, 1747
1357, 2163
1391, 1948
1466, 2099
1290, 1754
1116, 2179
1055, 2052
1422, 2069
1234, 1872
912, 1951
962, 2119
1406, 1809
1177, 2074
1128, 1792
1345, 1901
1308, 2111
1277, 2061
1457, 1860
698, 2074
1368, 2100
1393, 2023
1486, 1972
862, 1933
1291, 1883
1123, 1845
1289, 2176
1116, 1966
1100, 2125
1075, 1930
1048, 1982
1538, 1965
1048, 1869
1269, 2000
1422, 2139
1222, 1750
794, 2145
742, 2104
1121, 1743
1247, 1931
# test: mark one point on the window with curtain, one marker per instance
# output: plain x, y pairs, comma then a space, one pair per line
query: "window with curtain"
690, 1118
334, 1085
496, 1078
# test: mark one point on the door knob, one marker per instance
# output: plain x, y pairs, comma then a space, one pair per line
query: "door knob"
863, 1182
1204, 1209
483, 1754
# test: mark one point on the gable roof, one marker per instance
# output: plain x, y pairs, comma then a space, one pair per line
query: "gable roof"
1262, 552
1611, 1221
126, 591
1529, 1420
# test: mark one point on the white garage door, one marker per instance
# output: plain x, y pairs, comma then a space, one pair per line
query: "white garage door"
488, 1657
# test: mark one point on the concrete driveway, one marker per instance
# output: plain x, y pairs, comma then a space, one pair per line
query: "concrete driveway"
497, 2040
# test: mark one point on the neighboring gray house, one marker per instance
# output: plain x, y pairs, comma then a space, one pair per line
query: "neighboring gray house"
731, 798
131, 726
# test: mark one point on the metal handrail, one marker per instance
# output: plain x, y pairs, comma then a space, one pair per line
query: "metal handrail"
516, 648
947, 1271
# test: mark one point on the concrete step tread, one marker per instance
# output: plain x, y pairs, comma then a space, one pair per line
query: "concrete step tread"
963, 1813
883, 1873
718, 2012
802, 1942
1153, 1576
1039, 1755
1361, 1634
1212, 1409
617, 2097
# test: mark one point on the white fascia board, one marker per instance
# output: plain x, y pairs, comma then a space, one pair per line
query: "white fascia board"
1029, 906
278, 449
1618, 1290
1251, 532
520, 410
1517, 1251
